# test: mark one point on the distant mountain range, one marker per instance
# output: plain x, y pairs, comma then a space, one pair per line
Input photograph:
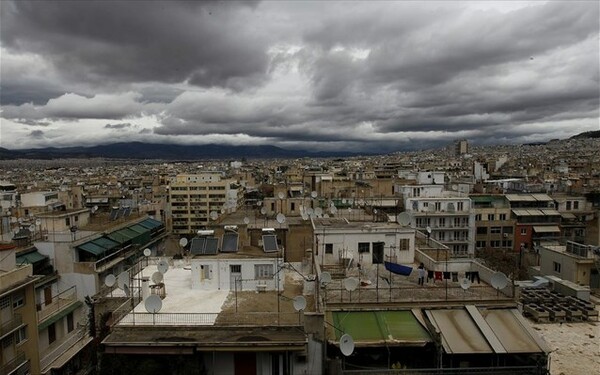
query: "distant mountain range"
590, 134
139, 150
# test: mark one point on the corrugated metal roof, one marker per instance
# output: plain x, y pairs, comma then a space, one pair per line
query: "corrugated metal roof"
105, 243
91, 248
546, 229
510, 331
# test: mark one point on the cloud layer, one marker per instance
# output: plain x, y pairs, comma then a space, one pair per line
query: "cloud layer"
373, 76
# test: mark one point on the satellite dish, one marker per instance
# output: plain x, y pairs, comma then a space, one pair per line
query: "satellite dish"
346, 344
163, 266
310, 211
31, 228
465, 283
349, 209
214, 215
333, 210
280, 195
123, 280
326, 216
157, 277
38, 222
325, 278
299, 303
110, 280
222, 211
344, 201
499, 280
318, 211
331, 204
183, 242
246, 221
153, 303
375, 211
351, 283
431, 208
263, 210
404, 219
147, 252
313, 194
260, 203
305, 216
126, 290
569, 183
280, 218
428, 229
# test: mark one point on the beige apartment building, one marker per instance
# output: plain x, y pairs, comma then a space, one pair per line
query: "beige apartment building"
18, 317
193, 197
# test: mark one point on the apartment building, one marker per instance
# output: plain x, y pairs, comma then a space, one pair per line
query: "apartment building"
494, 226
18, 317
536, 218
193, 197
573, 261
449, 220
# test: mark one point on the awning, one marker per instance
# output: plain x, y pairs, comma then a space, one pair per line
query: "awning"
459, 333
123, 235
378, 328
151, 223
546, 229
139, 229
473, 330
568, 215
106, 243
30, 257
92, 248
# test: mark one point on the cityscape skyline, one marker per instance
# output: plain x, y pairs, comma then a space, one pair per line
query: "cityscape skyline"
365, 77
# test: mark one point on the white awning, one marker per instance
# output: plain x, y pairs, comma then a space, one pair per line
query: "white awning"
546, 229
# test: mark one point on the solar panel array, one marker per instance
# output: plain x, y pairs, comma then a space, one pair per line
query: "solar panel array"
270, 243
204, 246
197, 246
230, 243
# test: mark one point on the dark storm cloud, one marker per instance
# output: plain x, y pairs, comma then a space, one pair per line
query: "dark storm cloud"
38, 134
356, 75
139, 41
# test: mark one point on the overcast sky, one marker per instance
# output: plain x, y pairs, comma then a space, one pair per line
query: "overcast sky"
370, 76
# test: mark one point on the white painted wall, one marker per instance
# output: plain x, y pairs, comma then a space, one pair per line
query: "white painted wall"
220, 274
86, 284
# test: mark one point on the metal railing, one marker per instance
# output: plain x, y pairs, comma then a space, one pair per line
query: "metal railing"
11, 325
59, 302
521, 370
20, 361
66, 343
213, 319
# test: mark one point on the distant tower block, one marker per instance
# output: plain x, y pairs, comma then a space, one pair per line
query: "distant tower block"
462, 147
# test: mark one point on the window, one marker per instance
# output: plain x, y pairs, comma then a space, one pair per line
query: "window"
481, 244
363, 247
442, 236
235, 268
478, 217
404, 244
272, 206
457, 221
51, 333
576, 205
328, 248
557, 267
21, 335
293, 206
263, 271
70, 323
204, 272
491, 217
481, 230
442, 222
18, 300
523, 231
4, 302
438, 206
7, 342
507, 243
507, 230
495, 230
502, 217
568, 205
460, 206
68, 221
495, 243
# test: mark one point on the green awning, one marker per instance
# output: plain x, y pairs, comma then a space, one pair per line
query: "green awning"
92, 248
30, 258
129, 233
118, 237
151, 223
139, 229
376, 328
58, 316
106, 243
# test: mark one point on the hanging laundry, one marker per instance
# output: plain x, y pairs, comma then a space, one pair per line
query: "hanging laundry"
438, 275
446, 275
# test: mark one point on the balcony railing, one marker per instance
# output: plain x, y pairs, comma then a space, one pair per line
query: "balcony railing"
11, 325
62, 346
19, 362
59, 302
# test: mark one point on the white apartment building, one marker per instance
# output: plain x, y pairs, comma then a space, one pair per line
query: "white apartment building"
451, 220
193, 197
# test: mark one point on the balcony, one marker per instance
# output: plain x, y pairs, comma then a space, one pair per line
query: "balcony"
18, 365
59, 303
11, 325
64, 349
